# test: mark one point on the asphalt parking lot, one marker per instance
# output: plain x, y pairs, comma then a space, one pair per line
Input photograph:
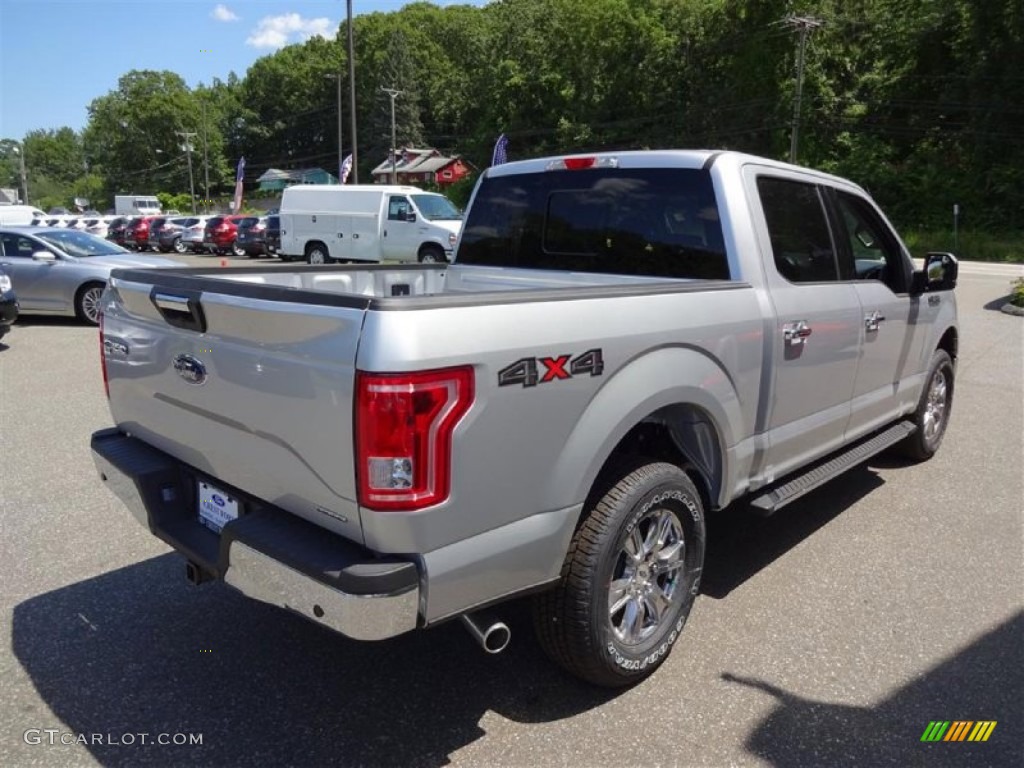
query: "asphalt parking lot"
830, 634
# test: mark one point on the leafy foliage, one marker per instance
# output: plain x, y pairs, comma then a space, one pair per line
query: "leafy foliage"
919, 101
1017, 292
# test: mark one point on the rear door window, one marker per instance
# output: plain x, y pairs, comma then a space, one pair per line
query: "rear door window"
801, 240
656, 222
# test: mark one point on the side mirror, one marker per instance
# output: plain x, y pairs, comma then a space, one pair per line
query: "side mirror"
939, 273
44, 256
410, 216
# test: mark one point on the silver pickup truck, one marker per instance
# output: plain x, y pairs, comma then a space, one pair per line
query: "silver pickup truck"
625, 342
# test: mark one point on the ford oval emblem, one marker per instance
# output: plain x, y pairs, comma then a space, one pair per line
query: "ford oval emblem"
191, 369
218, 500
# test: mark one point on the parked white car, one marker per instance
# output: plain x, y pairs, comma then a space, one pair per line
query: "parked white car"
96, 226
192, 237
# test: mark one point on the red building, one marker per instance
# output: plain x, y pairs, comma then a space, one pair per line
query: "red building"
417, 166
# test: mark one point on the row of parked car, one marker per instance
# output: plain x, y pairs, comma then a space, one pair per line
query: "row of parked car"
241, 235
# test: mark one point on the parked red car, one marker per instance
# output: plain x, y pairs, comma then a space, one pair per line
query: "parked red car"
221, 233
136, 235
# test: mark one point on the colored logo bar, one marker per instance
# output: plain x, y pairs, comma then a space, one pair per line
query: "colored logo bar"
959, 730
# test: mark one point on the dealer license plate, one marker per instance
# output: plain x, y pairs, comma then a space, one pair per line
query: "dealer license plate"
216, 508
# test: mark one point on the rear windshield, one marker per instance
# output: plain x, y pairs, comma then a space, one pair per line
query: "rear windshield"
216, 221
657, 222
249, 223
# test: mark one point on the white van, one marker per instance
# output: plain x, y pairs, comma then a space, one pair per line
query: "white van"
19, 215
326, 223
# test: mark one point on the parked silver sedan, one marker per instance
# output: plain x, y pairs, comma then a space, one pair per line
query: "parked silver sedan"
64, 271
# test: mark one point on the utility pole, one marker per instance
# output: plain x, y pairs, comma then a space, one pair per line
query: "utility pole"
187, 135
341, 157
24, 179
206, 163
352, 96
805, 25
394, 142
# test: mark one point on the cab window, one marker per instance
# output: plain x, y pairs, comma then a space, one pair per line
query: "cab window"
802, 244
875, 252
398, 209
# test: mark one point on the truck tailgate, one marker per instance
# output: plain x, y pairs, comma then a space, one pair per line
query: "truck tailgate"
250, 387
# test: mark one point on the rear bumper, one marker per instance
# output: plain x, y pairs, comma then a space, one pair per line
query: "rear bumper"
267, 553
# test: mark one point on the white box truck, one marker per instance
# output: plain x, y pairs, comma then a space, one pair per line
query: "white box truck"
136, 205
19, 215
328, 223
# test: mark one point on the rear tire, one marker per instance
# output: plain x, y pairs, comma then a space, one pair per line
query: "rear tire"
238, 251
629, 578
317, 253
932, 414
180, 246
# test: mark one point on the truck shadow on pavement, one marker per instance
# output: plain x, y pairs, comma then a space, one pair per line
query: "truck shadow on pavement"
740, 544
139, 651
985, 681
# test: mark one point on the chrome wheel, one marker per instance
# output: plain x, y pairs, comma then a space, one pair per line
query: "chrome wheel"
89, 304
180, 246
646, 577
935, 407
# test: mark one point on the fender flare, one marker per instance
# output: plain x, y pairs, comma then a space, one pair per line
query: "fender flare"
661, 377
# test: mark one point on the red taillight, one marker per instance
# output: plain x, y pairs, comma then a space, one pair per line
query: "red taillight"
103, 359
404, 425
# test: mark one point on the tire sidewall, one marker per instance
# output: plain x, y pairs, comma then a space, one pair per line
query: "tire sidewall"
313, 252
664, 491
940, 362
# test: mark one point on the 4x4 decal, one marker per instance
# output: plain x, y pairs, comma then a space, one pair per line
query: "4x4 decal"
526, 370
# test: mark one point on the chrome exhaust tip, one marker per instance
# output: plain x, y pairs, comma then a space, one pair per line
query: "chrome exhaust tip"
493, 636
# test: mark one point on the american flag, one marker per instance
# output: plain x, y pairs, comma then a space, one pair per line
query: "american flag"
239, 176
500, 150
346, 169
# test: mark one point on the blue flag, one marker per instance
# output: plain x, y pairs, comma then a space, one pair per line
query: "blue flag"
239, 176
500, 150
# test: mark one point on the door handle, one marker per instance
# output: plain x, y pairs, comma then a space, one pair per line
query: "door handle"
796, 333
355, 237
872, 321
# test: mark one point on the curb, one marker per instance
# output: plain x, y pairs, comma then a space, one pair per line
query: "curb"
1009, 309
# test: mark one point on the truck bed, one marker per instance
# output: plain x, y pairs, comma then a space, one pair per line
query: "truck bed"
389, 281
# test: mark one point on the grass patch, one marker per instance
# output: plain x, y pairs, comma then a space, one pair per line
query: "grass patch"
1005, 247
1017, 294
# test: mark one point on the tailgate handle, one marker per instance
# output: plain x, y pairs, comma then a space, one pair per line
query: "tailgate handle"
180, 310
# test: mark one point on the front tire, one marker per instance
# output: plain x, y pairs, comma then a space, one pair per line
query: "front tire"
87, 303
432, 254
180, 246
932, 414
629, 579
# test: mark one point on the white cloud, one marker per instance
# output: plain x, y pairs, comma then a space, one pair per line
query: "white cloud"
278, 31
223, 13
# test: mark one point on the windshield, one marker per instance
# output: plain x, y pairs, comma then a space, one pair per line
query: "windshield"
80, 244
436, 207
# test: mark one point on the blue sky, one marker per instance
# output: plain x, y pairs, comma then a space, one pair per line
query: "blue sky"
56, 56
